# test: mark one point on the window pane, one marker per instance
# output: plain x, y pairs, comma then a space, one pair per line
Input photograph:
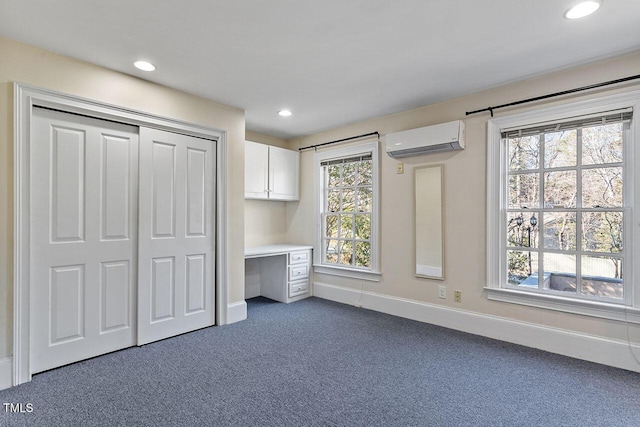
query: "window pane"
560, 149
333, 172
331, 226
602, 277
559, 230
346, 226
363, 254
348, 199
364, 199
347, 207
524, 190
331, 251
560, 189
524, 152
602, 144
333, 200
572, 181
520, 264
602, 231
559, 272
514, 230
348, 174
363, 226
522, 229
364, 173
346, 253
602, 187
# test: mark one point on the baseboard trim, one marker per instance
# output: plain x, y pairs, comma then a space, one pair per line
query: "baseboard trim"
580, 346
236, 312
6, 372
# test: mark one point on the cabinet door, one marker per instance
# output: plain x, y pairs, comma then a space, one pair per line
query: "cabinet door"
283, 174
256, 170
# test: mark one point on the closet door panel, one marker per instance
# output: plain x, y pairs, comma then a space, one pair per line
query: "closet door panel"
177, 241
83, 237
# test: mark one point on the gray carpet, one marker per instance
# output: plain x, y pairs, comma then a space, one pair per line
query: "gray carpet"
319, 363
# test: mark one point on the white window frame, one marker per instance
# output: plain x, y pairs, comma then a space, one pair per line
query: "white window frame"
629, 309
372, 273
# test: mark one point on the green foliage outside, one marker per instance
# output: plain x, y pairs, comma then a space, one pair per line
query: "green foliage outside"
545, 173
347, 218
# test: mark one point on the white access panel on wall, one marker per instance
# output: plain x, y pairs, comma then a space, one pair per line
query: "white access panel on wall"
176, 234
83, 237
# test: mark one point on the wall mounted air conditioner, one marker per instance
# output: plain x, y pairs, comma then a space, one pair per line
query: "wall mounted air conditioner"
430, 139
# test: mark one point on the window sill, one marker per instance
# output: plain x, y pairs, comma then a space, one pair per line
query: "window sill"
568, 305
372, 276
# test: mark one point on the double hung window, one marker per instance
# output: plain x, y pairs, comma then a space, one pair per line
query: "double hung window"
348, 203
347, 207
562, 207
565, 210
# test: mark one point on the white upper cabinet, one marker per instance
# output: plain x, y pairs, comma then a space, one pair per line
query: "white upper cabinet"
256, 170
271, 172
283, 174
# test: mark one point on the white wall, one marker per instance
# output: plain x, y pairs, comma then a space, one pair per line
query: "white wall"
37, 67
265, 222
465, 201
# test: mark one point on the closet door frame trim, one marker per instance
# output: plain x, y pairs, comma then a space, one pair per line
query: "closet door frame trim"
25, 99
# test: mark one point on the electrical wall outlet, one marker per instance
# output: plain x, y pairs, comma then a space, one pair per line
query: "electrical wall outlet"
400, 167
442, 292
457, 296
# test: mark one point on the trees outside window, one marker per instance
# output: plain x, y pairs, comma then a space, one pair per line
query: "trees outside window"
347, 191
565, 208
346, 211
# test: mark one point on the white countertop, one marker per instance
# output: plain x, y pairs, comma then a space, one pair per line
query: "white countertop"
280, 248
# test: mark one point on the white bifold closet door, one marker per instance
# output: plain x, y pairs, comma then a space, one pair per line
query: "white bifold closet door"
83, 237
176, 235
122, 236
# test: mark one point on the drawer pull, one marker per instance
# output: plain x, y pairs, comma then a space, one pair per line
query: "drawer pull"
296, 289
299, 257
298, 272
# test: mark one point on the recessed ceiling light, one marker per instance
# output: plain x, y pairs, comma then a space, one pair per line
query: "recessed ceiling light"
144, 65
284, 113
582, 9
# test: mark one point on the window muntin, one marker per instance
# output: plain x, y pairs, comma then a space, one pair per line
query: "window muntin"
565, 209
346, 211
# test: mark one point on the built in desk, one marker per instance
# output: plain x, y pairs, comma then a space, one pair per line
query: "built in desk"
279, 272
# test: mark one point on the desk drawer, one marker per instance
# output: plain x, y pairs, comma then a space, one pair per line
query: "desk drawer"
300, 257
298, 272
298, 287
